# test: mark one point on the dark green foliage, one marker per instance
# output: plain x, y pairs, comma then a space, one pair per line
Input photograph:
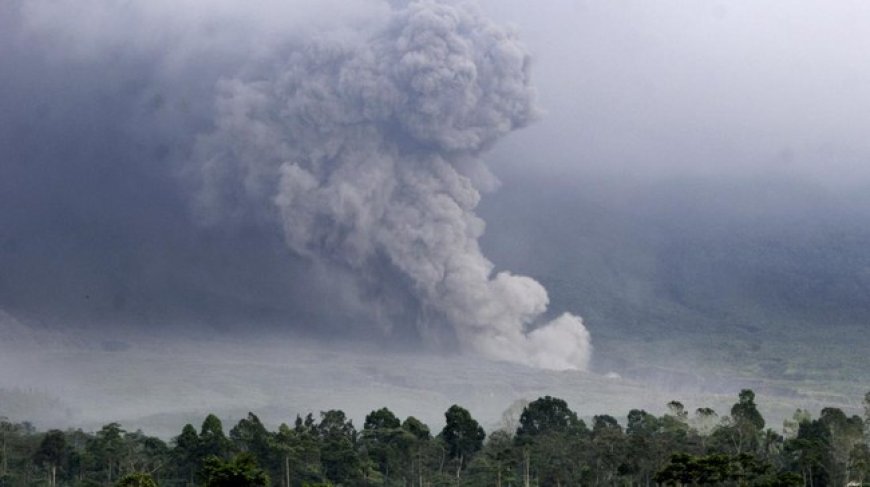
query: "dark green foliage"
686, 469
105, 450
52, 451
462, 435
720, 469
551, 438
382, 419
185, 455
413, 426
241, 471
387, 444
212, 441
643, 439
137, 479
249, 435
301, 448
810, 453
418, 448
52, 454
745, 411
338, 456
547, 414
609, 446
551, 447
498, 460
742, 431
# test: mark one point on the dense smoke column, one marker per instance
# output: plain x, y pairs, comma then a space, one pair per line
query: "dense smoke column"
363, 150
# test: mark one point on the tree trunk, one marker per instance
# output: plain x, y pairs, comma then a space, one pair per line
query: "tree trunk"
420, 466
526, 468
287, 470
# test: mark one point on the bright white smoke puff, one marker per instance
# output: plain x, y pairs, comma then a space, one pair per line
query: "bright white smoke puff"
360, 145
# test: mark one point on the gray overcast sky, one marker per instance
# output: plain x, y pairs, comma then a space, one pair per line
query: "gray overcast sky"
645, 89
629, 86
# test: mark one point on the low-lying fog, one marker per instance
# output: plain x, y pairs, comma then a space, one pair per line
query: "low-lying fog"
57, 380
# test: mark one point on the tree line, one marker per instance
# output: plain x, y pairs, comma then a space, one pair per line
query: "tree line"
547, 445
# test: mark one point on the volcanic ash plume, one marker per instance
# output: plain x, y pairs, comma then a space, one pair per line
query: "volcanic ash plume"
367, 147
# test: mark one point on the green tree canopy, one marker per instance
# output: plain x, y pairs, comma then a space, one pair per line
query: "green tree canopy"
417, 428
462, 434
745, 410
338, 455
547, 414
381, 419
137, 479
241, 471
212, 441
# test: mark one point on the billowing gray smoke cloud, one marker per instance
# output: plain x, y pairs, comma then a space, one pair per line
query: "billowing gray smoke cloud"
349, 129
366, 151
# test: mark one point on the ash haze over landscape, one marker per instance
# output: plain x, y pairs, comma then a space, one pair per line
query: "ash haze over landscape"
295, 205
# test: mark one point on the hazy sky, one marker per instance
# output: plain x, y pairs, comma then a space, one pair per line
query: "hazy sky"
657, 89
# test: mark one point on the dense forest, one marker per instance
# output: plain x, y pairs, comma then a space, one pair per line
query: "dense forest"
539, 443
